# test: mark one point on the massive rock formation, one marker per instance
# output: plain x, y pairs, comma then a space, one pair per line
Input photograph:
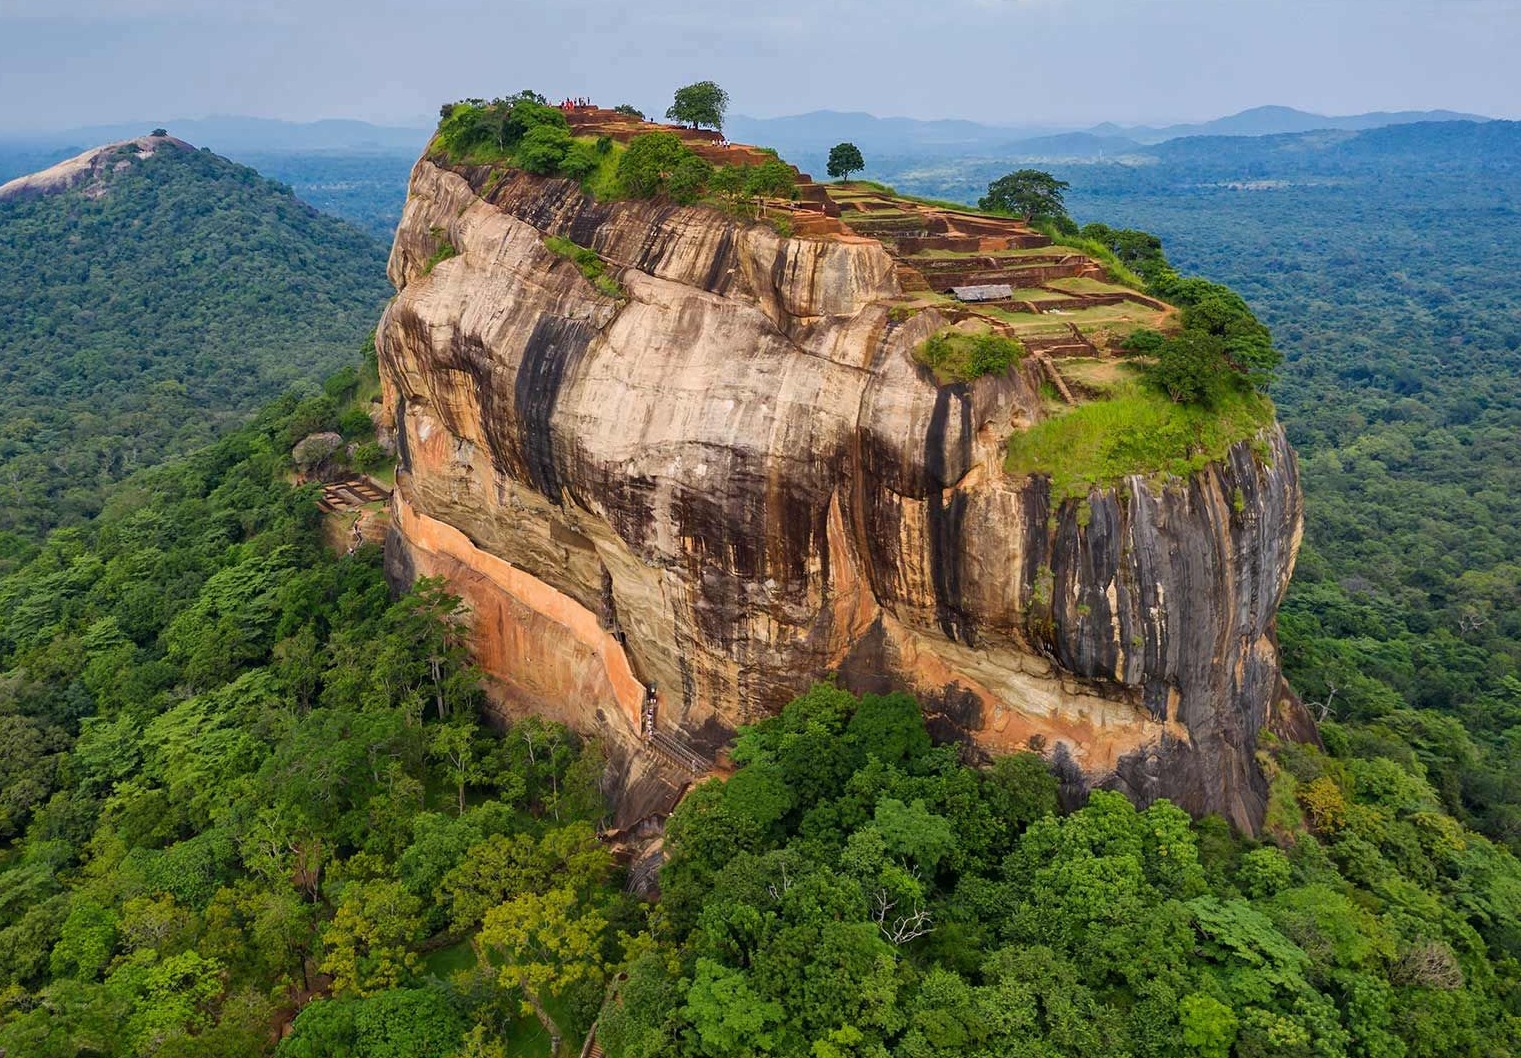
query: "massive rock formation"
734, 480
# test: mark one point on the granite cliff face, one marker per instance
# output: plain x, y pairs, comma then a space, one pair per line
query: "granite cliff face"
734, 480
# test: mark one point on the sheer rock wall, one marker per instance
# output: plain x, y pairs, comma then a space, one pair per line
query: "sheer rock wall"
735, 480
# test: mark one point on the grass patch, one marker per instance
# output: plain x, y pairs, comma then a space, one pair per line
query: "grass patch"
448, 960
955, 356
445, 250
602, 182
941, 203
883, 189
1086, 285
1136, 431
386, 475
1100, 376
1116, 319
1038, 294
591, 266
524, 1037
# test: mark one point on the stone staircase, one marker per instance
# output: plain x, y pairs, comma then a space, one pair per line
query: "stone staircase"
911, 279
1054, 377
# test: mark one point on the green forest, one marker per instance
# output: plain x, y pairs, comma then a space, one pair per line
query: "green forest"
235, 772
144, 320
250, 809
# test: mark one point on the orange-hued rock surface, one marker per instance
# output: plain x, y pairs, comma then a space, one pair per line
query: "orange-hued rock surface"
735, 479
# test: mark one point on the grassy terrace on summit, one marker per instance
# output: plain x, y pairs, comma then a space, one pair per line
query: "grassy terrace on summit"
1133, 430
1073, 304
1008, 289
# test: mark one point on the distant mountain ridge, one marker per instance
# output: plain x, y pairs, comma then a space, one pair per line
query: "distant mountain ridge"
90, 170
1277, 120
816, 130
238, 133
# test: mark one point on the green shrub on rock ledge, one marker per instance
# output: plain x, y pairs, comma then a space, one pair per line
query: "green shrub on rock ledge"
658, 163
591, 266
955, 356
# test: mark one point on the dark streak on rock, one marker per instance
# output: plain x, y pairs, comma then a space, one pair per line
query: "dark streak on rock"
722, 265
403, 447
953, 713
946, 514
552, 350
396, 562
865, 669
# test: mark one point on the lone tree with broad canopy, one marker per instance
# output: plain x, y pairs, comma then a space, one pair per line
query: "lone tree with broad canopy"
1029, 193
844, 159
703, 103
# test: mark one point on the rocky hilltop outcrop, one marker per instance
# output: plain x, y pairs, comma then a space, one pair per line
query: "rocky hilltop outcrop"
681, 502
88, 171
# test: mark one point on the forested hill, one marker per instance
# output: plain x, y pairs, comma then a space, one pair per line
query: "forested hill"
151, 305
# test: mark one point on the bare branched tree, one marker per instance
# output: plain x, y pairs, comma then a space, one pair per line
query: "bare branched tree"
900, 929
1323, 709
771, 888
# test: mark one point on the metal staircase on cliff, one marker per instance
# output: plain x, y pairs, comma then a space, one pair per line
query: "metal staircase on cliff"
677, 751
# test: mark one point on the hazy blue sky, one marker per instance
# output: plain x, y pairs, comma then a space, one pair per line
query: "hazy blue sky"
74, 62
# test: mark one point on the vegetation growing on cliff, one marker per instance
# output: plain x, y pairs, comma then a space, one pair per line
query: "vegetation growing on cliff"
590, 265
844, 159
658, 163
143, 322
522, 131
475, 130
446, 250
1134, 429
956, 356
519, 130
703, 103
1033, 194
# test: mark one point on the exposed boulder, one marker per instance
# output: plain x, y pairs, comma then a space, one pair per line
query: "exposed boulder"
313, 452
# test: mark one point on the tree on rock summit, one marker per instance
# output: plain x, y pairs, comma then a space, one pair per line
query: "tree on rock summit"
1029, 193
844, 159
703, 103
